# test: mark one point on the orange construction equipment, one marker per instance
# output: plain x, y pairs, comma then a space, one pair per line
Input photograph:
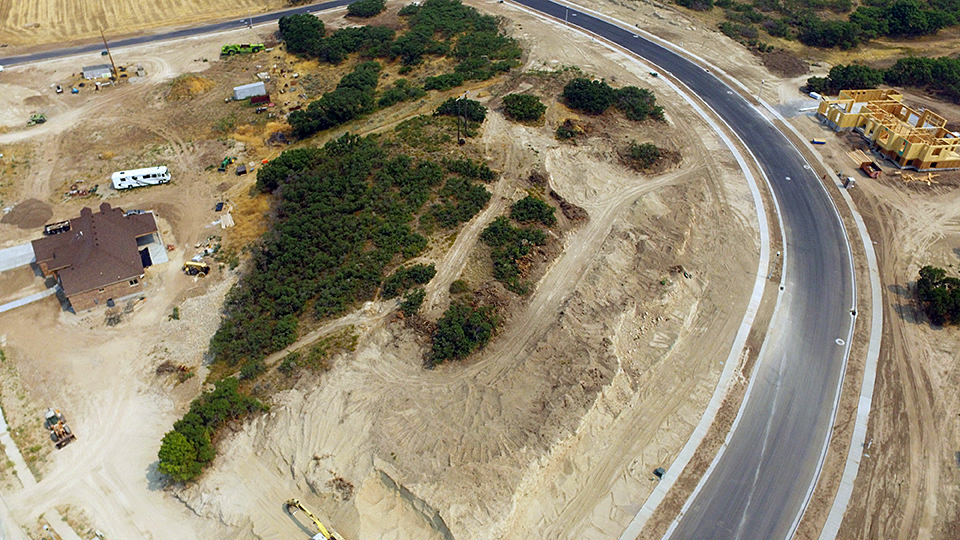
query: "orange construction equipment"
60, 432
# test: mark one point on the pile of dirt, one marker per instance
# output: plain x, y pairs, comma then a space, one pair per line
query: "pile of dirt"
785, 64
29, 214
188, 87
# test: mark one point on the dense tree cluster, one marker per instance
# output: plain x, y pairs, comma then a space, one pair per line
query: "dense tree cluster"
940, 75
462, 330
595, 97
305, 34
366, 8
301, 32
812, 22
510, 244
407, 276
344, 212
467, 108
435, 28
530, 208
939, 295
523, 107
188, 448
842, 77
353, 97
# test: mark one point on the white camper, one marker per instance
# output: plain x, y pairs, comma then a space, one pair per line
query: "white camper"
150, 176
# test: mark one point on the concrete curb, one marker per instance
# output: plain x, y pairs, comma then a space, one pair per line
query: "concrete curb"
730, 364
855, 453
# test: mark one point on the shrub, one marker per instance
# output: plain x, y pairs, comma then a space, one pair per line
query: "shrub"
412, 301
509, 245
566, 130
289, 364
468, 108
459, 286
400, 91
591, 97
366, 8
405, 277
523, 107
638, 104
644, 155
353, 97
470, 169
696, 5
462, 330
842, 77
252, 369
443, 82
531, 208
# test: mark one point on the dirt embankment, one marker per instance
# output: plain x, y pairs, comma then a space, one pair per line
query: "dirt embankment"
611, 346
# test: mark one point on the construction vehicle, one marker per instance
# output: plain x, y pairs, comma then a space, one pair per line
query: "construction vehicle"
36, 118
192, 268
227, 161
231, 49
56, 228
60, 432
293, 505
871, 169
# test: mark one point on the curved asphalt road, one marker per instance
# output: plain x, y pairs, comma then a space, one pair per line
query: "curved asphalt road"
760, 484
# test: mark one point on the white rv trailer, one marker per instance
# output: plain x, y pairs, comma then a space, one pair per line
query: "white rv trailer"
149, 176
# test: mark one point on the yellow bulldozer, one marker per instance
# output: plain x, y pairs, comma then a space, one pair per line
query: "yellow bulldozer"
192, 268
293, 505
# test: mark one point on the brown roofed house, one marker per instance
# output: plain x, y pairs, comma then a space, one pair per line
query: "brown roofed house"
98, 258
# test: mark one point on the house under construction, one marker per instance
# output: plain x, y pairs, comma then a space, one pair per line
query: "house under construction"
913, 139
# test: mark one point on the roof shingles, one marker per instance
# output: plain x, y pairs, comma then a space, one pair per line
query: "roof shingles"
99, 249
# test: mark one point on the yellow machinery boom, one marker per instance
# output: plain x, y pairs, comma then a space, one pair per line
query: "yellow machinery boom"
294, 504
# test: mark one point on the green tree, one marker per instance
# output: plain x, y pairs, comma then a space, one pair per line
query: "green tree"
523, 107
301, 32
412, 301
467, 108
366, 8
591, 97
644, 155
178, 458
461, 330
532, 208
638, 104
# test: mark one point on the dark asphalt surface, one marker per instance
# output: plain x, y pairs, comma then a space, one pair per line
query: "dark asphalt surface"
761, 482
173, 34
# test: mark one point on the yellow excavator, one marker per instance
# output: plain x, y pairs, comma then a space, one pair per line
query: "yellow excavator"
293, 505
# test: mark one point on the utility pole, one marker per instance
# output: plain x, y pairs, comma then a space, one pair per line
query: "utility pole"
116, 74
759, 90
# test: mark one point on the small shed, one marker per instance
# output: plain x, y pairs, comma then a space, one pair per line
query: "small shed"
99, 71
249, 90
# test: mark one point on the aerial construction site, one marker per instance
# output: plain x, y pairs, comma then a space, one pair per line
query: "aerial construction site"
471, 270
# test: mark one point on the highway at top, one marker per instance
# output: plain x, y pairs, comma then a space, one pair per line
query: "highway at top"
761, 482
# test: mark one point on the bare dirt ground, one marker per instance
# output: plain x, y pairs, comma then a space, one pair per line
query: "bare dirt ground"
597, 378
906, 485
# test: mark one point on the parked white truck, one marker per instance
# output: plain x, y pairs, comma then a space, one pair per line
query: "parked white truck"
149, 176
